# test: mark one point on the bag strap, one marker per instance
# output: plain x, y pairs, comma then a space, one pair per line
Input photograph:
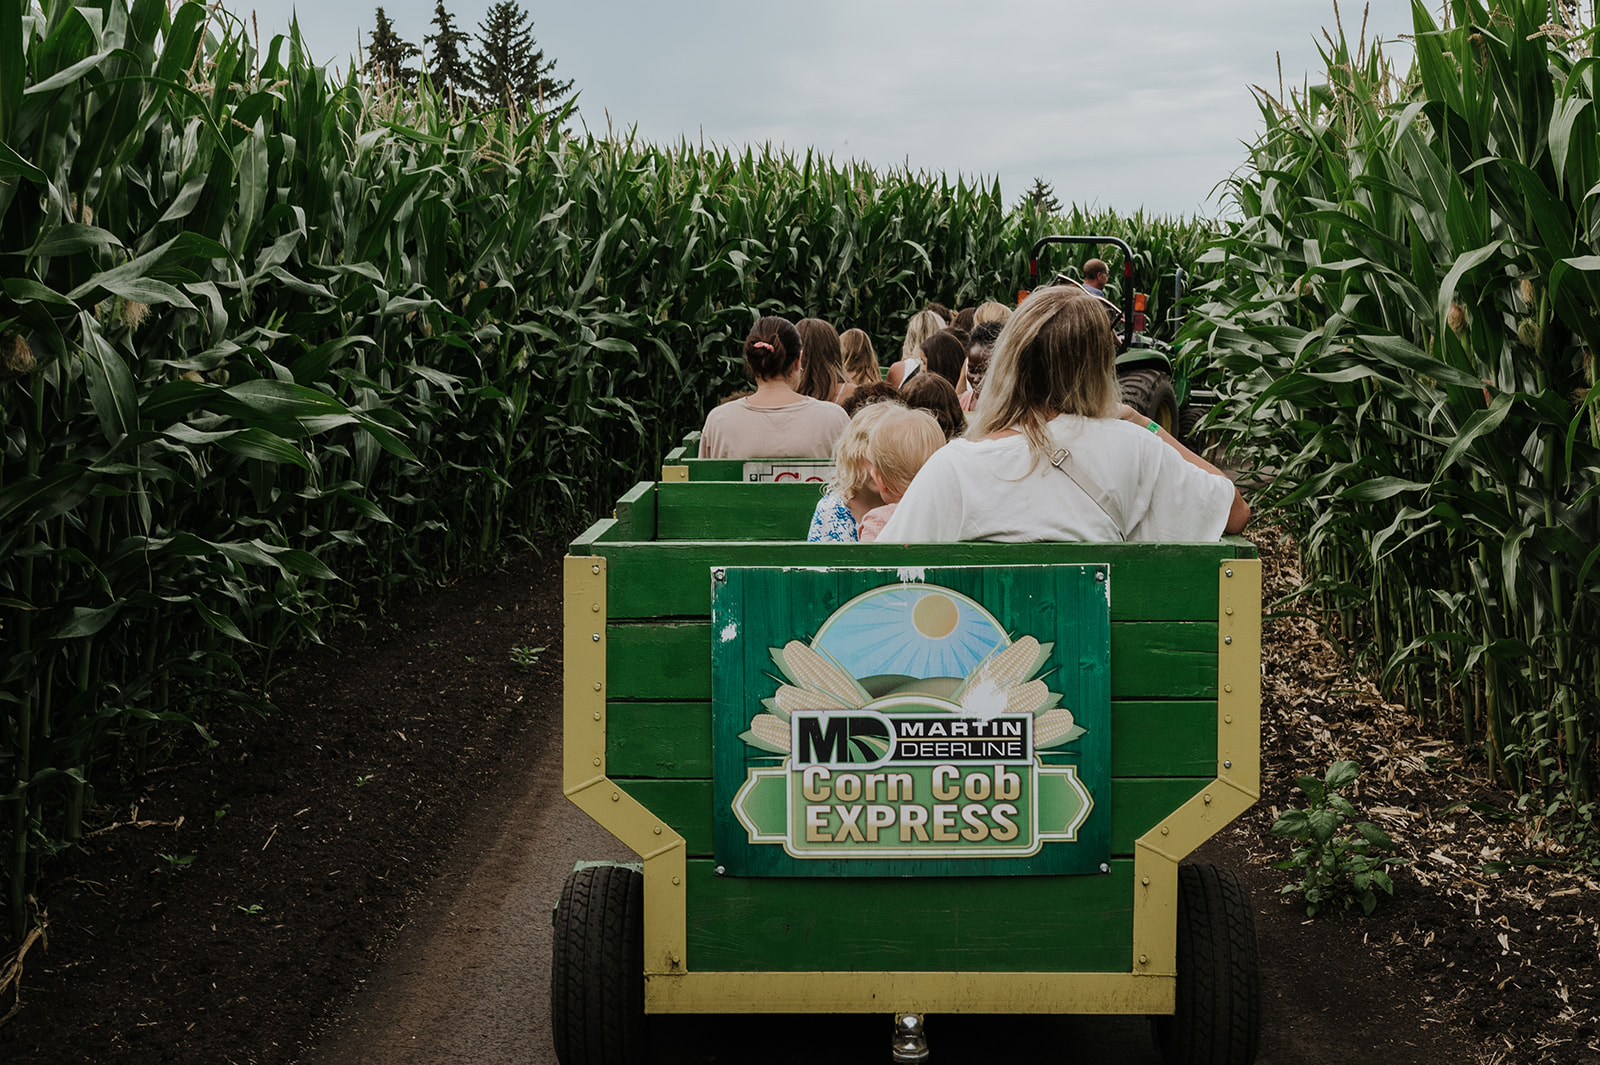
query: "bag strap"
1061, 459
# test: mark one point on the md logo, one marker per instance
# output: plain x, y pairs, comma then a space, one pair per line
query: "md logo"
838, 739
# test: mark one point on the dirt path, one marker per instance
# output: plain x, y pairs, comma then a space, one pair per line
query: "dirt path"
469, 977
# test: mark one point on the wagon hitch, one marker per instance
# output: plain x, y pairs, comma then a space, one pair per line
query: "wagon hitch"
910, 1041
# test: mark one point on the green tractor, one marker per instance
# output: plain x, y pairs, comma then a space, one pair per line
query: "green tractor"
1154, 380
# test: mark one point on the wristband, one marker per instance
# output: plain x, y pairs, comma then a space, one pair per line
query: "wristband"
1154, 428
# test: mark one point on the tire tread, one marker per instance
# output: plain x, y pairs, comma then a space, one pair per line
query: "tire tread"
597, 968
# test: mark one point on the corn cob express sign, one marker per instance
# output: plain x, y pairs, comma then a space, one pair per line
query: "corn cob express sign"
914, 723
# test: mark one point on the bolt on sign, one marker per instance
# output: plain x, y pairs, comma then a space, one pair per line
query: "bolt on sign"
937, 722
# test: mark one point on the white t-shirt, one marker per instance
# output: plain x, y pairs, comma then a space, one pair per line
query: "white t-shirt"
807, 429
984, 490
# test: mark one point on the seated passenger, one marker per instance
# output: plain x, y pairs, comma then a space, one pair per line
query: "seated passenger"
901, 442
869, 394
923, 325
850, 494
990, 311
774, 422
978, 352
860, 361
824, 376
1052, 453
932, 393
945, 354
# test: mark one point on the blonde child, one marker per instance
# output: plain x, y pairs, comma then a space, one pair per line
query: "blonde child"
901, 441
851, 494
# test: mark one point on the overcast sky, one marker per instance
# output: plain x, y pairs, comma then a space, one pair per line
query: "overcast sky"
1139, 103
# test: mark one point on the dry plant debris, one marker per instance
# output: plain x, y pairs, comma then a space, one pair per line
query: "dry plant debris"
1509, 956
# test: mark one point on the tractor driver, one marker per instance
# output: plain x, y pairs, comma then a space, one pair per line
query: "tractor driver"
1094, 277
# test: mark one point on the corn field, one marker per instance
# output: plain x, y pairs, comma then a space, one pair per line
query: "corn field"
273, 347
1406, 321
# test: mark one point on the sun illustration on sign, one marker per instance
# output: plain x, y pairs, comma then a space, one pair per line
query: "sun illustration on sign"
912, 630
913, 648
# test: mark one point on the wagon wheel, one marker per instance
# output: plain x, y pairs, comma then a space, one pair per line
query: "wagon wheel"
1150, 392
597, 968
1218, 1015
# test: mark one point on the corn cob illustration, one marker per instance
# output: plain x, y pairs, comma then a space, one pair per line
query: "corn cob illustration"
770, 730
1026, 698
1052, 726
1012, 666
791, 699
814, 671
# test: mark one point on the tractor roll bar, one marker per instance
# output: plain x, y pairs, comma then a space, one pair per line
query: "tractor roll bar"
1127, 274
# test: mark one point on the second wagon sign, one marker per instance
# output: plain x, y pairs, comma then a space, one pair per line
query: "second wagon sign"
911, 723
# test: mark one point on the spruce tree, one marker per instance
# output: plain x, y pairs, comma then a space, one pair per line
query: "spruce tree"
451, 73
507, 68
388, 52
1042, 197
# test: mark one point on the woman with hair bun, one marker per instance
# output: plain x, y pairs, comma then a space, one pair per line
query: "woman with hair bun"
1053, 454
775, 421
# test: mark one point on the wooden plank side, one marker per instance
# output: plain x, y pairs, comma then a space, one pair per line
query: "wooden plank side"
636, 512
1014, 924
1149, 582
1148, 739
723, 510
658, 739
672, 660
715, 469
1163, 738
1136, 805
1157, 659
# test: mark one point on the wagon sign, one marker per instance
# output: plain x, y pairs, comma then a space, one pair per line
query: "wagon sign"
909, 723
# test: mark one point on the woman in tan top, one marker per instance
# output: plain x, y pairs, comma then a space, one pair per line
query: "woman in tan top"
776, 421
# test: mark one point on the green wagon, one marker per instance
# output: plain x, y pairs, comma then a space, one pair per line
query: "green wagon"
836, 809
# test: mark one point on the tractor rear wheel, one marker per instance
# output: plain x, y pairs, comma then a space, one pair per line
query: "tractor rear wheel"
1218, 1015
1150, 392
1189, 419
597, 968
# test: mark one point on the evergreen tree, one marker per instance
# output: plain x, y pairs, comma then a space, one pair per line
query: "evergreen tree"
451, 73
1042, 197
388, 52
508, 69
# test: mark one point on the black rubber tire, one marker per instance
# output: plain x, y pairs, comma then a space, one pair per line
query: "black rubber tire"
1188, 419
1218, 1016
597, 968
1150, 392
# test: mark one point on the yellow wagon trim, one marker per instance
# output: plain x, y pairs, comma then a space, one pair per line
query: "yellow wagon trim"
908, 992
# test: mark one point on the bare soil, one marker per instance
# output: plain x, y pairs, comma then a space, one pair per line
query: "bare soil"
349, 878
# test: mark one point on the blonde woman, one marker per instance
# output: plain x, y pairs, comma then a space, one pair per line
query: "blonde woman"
1053, 454
990, 311
851, 493
923, 325
860, 361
